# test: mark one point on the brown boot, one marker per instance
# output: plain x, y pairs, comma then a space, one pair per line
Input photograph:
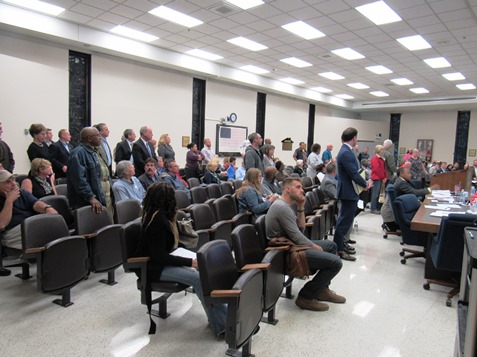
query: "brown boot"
311, 304
331, 296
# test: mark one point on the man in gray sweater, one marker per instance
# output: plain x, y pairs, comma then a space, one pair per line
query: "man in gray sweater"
286, 218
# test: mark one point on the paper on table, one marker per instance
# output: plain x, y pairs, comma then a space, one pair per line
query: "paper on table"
436, 207
444, 213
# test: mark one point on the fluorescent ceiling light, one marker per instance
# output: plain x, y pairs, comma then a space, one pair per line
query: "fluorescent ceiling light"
245, 4
358, 85
348, 53
38, 6
379, 69
414, 43
254, 69
466, 86
137, 35
457, 76
402, 81
292, 81
204, 54
293, 61
304, 30
379, 93
331, 75
175, 16
438, 62
419, 90
321, 89
379, 13
344, 96
246, 43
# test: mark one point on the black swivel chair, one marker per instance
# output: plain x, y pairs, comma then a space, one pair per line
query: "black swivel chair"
221, 284
447, 248
391, 196
406, 207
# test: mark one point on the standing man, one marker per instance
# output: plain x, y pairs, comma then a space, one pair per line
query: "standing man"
388, 156
207, 151
348, 178
327, 155
253, 155
286, 218
104, 149
6, 157
364, 155
123, 149
142, 149
49, 137
300, 153
60, 153
87, 178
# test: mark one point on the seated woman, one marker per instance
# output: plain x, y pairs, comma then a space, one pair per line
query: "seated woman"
211, 175
281, 172
249, 196
159, 237
298, 169
41, 179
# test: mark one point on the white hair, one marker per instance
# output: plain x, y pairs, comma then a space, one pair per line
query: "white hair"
388, 143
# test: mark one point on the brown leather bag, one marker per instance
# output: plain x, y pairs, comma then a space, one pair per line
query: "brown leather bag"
296, 262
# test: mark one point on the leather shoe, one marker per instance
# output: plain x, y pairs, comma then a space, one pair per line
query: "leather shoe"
331, 296
349, 247
346, 256
4, 272
350, 241
311, 304
350, 252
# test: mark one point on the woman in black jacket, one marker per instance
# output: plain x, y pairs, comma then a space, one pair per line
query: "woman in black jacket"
159, 237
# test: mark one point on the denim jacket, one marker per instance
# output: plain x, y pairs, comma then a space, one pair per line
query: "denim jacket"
84, 177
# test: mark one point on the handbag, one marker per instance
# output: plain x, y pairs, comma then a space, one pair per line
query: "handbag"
187, 236
382, 194
296, 261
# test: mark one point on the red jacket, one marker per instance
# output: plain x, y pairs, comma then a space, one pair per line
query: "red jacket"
378, 168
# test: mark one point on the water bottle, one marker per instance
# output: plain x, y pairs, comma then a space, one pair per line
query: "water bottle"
472, 191
355, 227
462, 197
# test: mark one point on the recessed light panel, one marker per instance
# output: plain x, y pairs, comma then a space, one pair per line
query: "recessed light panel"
254, 69
344, 96
466, 86
39, 6
419, 90
331, 75
402, 81
175, 16
204, 54
303, 30
292, 81
137, 35
293, 61
246, 43
321, 89
456, 76
379, 13
245, 4
348, 53
438, 62
357, 85
379, 69
414, 43
379, 93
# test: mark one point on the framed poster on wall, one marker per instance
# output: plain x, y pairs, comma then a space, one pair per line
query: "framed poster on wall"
229, 138
425, 149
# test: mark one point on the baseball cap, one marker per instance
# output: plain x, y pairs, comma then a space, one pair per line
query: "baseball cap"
4, 175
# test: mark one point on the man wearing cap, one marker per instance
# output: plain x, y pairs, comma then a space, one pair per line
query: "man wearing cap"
16, 205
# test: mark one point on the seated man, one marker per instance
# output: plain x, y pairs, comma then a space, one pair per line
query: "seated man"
172, 177
329, 182
269, 182
16, 205
403, 184
286, 218
128, 186
151, 173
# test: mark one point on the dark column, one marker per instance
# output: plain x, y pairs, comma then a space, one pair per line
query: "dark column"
79, 93
198, 111
261, 107
461, 137
311, 127
394, 127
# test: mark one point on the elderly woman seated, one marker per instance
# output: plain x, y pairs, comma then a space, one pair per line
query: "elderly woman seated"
298, 169
41, 179
128, 186
211, 175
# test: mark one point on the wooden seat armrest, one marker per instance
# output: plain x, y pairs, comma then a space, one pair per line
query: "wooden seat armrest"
89, 235
261, 266
279, 247
138, 259
225, 293
35, 250
318, 215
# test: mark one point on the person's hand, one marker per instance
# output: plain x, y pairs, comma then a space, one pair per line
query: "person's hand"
96, 206
51, 210
273, 197
317, 247
194, 264
13, 195
300, 201
369, 184
435, 187
64, 168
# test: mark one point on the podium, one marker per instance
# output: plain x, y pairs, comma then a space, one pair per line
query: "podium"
447, 180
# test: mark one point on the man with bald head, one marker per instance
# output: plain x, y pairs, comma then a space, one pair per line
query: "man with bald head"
88, 175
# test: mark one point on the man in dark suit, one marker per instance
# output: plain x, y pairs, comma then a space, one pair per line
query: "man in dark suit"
60, 153
104, 150
123, 149
348, 173
142, 149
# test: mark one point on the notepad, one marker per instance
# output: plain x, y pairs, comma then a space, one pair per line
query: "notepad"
184, 253
357, 188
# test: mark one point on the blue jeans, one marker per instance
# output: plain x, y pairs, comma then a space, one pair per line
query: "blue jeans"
216, 314
375, 191
327, 263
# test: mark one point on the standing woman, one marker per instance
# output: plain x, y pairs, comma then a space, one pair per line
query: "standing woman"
313, 160
249, 196
159, 237
164, 148
418, 167
268, 153
378, 175
38, 148
40, 180
193, 159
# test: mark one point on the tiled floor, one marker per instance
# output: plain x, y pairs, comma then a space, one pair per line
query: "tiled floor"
388, 313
